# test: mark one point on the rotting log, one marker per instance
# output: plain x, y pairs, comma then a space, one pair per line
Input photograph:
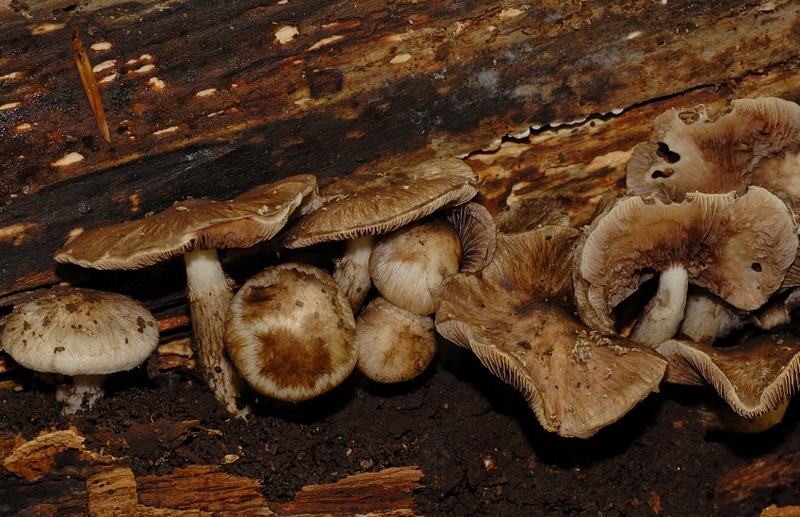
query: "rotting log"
200, 95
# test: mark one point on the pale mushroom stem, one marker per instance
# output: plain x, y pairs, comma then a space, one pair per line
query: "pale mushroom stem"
209, 291
352, 270
662, 316
86, 390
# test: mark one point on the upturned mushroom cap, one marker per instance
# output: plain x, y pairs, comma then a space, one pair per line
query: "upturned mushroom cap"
372, 201
73, 331
737, 248
253, 217
290, 332
754, 377
756, 143
515, 316
409, 265
394, 345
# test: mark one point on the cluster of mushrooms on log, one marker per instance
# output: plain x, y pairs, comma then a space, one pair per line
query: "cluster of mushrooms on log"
585, 323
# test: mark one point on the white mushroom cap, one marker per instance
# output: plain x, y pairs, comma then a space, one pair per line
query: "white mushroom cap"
394, 345
291, 333
80, 332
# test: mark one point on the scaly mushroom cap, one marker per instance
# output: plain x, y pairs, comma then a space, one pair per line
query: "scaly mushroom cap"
754, 377
737, 248
409, 265
756, 143
394, 345
515, 316
74, 331
290, 332
253, 217
372, 201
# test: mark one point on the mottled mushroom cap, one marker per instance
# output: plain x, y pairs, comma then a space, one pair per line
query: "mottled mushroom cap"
291, 333
755, 143
253, 217
74, 331
754, 377
373, 200
515, 316
738, 248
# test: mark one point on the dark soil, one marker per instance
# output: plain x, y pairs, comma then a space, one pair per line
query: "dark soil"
478, 444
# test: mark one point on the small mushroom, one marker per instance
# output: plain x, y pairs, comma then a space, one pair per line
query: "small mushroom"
290, 332
196, 228
477, 233
738, 248
377, 199
516, 316
708, 317
394, 345
754, 377
757, 142
83, 333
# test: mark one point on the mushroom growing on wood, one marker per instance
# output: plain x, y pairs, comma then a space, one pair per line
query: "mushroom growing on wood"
738, 248
516, 316
375, 200
196, 228
754, 377
83, 333
757, 142
290, 332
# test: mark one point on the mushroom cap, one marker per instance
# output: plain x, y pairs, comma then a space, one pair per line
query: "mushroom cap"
737, 248
372, 201
409, 265
253, 217
477, 233
394, 345
74, 331
754, 377
756, 143
515, 316
291, 333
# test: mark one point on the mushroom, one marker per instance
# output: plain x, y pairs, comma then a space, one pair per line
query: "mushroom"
516, 316
196, 228
739, 248
757, 142
477, 233
409, 265
754, 377
394, 345
378, 199
83, 333
708, 317
290, 332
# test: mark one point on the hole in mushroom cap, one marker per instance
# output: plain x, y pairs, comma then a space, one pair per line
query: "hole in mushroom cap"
666, 173
755, 266
664, 152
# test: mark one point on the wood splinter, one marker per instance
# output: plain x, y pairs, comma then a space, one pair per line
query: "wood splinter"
89, 83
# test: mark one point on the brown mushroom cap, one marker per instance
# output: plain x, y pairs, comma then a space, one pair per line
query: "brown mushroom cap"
477, 233
756, 143
737, 248
754, 377
372, 201
394, 345
253, 217
290, 332
515, 316
409, 265
74, 331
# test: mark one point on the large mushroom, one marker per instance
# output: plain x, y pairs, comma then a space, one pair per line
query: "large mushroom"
82, 333
196, 228
516, 316
738, 248
374, 200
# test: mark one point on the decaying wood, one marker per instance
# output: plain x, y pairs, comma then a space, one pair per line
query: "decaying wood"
111, 489
767, 472
306, 86
785, 511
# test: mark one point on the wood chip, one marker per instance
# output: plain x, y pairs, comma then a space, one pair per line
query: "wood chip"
89, 83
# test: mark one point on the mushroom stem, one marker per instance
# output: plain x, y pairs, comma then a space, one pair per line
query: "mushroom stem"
662, 316
352, 270
209, 291
87, 390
